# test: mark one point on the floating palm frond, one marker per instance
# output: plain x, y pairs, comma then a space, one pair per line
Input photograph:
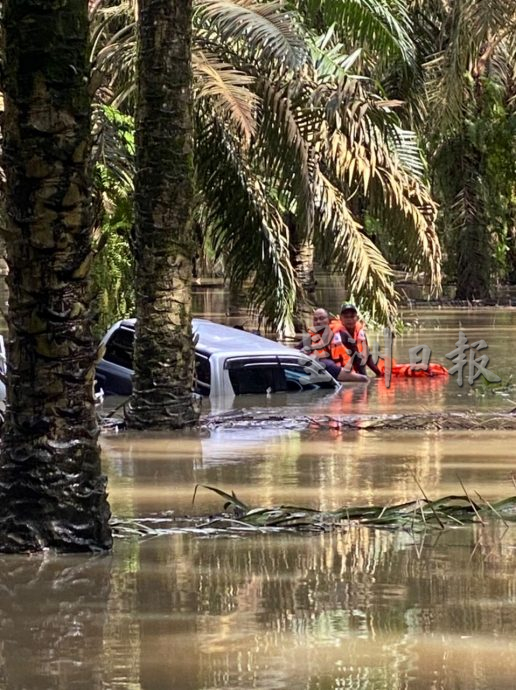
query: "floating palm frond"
419, 515
345, 423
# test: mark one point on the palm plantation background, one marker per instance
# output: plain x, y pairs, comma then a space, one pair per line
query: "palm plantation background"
331, 133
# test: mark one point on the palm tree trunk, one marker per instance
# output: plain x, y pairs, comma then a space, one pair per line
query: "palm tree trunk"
164, 247
52, 493
302, 256
303, 262
473, 251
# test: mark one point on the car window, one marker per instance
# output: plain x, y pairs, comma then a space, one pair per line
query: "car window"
202, 374
119, 349
273, 374
257, 377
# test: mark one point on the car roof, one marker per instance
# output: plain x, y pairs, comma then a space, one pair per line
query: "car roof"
214, 337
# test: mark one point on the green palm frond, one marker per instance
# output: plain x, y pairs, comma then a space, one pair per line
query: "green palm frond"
472, 34
376, 163
263, 28
329, 57
244, 224
408, 151
113, 146
383, 27
398, 203
446, 70
285, 152
367, 272
315, 144
490, 19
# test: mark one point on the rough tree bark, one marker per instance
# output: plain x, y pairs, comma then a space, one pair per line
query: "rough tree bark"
52, 493
163, 358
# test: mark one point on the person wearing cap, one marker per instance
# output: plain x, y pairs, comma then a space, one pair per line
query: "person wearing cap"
353, 353
326, 346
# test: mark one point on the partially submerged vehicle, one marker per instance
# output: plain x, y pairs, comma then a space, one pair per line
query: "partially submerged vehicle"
228, 362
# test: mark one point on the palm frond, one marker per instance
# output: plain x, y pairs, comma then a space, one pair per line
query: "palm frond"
446, 87
263, 27
380, 26
408, 151
285, 153
244, 224
113, 145
330, 58
369, 154
368, 274
228, 91
490, 20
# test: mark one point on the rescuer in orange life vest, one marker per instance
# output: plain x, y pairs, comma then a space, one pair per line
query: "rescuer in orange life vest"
354, 351
334, 344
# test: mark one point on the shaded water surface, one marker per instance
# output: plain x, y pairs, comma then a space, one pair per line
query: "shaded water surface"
358, 609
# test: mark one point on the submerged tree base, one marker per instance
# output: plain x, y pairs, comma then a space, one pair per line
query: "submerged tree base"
176, 413
61, 503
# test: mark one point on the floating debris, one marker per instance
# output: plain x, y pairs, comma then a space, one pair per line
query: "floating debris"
239, 519
361, 422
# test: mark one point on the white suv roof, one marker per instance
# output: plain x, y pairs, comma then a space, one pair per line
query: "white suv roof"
214, 337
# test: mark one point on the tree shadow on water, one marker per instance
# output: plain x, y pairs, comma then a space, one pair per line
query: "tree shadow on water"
53, 610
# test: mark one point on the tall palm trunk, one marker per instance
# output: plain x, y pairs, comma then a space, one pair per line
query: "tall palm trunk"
52, 493
163, 359
303, 262
302, 253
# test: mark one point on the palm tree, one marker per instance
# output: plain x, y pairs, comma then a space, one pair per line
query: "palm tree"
287, 133
469, 50
52, 491
163, 248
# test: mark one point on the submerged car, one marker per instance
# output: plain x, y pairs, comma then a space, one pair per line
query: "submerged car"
228, 362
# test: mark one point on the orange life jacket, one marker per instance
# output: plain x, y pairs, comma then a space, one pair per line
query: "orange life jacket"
338, 351
406, 370
319, 344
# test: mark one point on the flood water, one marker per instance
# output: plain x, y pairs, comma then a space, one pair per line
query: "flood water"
360, 609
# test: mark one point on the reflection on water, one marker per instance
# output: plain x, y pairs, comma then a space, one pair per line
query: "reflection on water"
359, 609
363, 610
53, 613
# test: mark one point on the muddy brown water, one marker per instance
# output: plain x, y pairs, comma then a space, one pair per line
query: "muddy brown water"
359, 609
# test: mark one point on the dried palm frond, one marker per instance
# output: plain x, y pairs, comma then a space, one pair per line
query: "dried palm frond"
228, 91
